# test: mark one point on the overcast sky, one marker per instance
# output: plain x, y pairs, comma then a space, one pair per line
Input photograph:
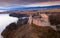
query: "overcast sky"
21, 3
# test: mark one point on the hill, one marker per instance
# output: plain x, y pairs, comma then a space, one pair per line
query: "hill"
29, 31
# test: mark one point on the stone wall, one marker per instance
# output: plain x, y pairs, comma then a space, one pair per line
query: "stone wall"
45, 17
37, 22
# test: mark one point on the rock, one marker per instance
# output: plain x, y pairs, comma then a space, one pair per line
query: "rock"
11, 26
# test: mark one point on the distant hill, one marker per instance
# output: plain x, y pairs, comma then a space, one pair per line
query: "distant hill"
55, 8
36, 8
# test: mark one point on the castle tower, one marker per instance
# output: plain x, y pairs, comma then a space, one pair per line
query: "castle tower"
30, 20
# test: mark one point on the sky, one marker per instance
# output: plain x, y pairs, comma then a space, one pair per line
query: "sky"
20, 3
7, 4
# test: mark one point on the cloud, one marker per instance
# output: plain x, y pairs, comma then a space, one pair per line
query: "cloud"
22, 3
45, 3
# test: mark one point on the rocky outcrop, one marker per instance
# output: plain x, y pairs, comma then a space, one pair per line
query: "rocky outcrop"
29, 31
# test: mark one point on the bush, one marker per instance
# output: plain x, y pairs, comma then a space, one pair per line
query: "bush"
54, 19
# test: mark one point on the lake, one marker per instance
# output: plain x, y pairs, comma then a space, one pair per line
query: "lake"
5, 20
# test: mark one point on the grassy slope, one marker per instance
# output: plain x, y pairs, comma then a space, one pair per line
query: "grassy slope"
31, 31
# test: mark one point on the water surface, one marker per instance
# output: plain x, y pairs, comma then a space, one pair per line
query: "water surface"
5, 20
